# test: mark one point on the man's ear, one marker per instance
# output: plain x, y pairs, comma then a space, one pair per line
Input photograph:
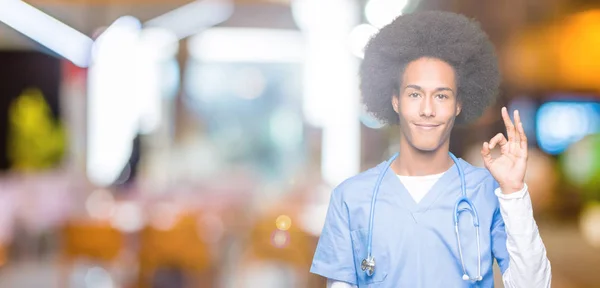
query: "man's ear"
458, 109
395, 103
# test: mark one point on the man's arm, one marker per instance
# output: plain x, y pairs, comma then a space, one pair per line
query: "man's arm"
528, 263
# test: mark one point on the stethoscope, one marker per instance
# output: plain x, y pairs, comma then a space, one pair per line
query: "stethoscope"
368, 264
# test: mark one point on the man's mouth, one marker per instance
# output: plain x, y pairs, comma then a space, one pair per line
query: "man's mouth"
426, 126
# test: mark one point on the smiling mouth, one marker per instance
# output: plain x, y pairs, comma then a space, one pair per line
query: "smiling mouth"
426, 126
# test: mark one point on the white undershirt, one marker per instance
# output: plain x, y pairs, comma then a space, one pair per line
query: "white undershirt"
528, 264
418, 186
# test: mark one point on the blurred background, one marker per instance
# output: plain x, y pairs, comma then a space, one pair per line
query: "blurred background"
195, 143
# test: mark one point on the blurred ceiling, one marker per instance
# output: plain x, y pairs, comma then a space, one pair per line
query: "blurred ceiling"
499, 18
87, 16
529, 33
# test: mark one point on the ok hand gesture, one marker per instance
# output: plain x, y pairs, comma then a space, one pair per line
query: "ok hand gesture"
509, 168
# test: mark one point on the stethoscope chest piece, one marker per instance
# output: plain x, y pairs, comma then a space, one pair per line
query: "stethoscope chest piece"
368, 265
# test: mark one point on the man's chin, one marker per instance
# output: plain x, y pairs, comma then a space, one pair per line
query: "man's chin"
426, 148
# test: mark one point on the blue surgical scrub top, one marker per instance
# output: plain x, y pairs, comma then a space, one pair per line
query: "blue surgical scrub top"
414, 244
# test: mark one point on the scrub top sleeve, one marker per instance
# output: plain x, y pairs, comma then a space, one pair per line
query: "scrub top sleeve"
498, 236
334, 257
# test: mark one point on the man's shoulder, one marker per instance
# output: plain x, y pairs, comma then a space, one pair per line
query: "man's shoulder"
359, 183
362, 177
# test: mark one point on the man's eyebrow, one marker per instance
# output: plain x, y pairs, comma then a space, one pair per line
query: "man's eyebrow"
417, 87
444, 89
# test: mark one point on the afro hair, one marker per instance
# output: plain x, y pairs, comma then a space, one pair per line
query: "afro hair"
447, 36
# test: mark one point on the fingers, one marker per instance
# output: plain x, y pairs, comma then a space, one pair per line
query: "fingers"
510, 128
517, 118
521, 133
499, 139
486, 154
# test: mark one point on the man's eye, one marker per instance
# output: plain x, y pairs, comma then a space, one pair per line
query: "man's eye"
442, 96
413, 95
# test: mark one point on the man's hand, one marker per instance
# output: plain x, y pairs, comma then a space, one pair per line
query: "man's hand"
509, 168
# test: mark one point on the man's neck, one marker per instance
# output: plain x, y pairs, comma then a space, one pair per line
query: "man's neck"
413, 162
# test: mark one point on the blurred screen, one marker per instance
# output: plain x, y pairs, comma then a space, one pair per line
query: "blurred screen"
561, 123
257, 104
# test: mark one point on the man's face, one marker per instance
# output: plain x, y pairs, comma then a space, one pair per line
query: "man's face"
427, 103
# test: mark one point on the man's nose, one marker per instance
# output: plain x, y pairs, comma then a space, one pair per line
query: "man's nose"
427, 107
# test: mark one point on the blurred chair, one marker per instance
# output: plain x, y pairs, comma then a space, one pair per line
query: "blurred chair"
291, 247
177, 252
92, 240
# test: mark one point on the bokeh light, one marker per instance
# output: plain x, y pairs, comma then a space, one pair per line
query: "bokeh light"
542, 179
97, 277
280, 239
359, 37
312, 218
128, 217
100, 204
164, 216
581, 164
369, 120
283, 222
382, 12
590, 224
577, 53
560, 124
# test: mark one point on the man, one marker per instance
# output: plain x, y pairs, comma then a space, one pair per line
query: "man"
404, 226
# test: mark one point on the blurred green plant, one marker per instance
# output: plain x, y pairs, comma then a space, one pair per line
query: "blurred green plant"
581, 166
36, 141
